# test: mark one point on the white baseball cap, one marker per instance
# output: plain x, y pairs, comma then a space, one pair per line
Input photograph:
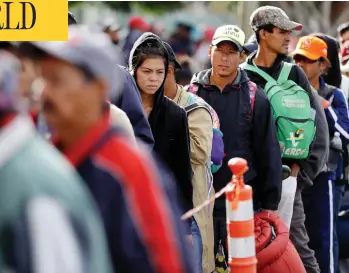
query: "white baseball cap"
230, 33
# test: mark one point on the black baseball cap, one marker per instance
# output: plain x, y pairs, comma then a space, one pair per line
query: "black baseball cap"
172, 55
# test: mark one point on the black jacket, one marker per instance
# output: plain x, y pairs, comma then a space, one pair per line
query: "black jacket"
250, 136
169, 125
127, 98
311, 167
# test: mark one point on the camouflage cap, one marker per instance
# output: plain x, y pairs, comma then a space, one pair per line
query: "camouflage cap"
272, 15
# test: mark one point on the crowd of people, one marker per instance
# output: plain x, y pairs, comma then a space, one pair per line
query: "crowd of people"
103, 148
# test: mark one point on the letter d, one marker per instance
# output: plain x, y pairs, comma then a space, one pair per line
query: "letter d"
24, 15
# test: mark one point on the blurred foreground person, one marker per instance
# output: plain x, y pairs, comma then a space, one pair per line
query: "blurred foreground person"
141, 222
48, 221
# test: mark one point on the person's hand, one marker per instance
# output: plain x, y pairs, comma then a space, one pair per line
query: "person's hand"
295, 170
189, 238
275, 212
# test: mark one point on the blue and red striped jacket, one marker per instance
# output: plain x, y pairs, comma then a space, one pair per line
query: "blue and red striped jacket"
140, 212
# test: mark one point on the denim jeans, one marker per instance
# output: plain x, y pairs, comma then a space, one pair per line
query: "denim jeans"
197, 245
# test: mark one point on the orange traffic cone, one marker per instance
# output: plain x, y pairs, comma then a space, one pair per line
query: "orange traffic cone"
240, 221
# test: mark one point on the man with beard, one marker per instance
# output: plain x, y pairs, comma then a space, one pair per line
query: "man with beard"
140, 215
48, 220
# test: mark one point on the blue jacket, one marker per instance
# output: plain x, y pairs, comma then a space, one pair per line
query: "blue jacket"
139, 210
337, 113
129, 100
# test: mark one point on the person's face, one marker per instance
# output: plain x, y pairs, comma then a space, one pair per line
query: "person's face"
244, 55
278, 40
150, 75
68, 96
344, 37
313, 69
225, 58
114, 35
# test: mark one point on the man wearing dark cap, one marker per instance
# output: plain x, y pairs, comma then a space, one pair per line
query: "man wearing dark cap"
200, 132
272, 28
140, 219
48, 220
246, 121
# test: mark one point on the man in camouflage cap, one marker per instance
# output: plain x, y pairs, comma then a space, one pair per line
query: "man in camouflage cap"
272, 28
274, 16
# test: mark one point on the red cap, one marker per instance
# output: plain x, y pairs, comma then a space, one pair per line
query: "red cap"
137, 22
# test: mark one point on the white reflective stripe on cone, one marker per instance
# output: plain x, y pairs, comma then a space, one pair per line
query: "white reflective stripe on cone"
241, 247
244, 211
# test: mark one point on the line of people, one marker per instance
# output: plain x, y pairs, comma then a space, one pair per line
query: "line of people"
126, 151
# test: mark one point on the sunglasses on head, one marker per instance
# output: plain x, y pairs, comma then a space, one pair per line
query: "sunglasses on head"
300, 58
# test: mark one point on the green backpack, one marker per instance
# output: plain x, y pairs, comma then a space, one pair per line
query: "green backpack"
294, 117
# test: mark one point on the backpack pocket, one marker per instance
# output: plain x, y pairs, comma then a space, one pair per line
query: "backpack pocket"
297, 136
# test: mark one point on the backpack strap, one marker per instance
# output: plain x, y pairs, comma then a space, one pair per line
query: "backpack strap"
258, 71
193, 88
285, 72
196, 105
252, 92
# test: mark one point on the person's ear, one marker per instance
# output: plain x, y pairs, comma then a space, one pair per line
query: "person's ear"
262, 34
210, 51
102, 87
171, 70
242, 57
324, 66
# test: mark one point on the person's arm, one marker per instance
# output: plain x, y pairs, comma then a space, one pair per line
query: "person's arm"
200, 132
130, 103
182, 166
144, 229
43, 237
319, 149
267, 152
313, 165
337, 115
119, 118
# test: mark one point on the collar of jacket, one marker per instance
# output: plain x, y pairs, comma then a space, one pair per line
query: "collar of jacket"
276, 67
13, 136
325, 89
77, 152
203, 78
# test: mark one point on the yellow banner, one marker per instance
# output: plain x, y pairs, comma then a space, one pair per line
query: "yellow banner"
35, 20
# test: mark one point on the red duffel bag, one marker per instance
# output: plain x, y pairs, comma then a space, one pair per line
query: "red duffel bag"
274, 251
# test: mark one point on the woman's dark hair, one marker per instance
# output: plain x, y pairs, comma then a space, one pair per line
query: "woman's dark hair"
268, 28
333, 75
148, 49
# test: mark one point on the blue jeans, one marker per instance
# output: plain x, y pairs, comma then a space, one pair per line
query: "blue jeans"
197, 245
